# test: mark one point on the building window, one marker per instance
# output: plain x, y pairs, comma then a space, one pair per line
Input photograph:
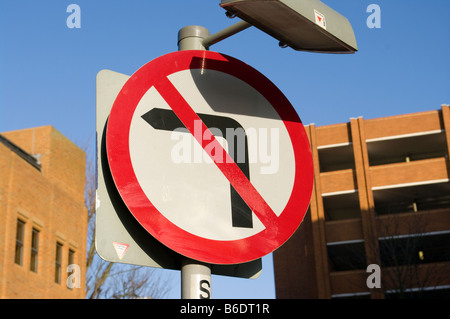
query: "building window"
71, 256
58, 262
420, 197
413, 249
406, 149
349, 255
34, 250
20, 230
341, 206
336, 157
70, 262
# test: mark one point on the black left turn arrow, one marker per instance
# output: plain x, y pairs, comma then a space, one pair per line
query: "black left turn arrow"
167, 120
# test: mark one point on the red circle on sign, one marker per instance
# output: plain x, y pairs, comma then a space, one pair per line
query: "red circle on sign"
277, 229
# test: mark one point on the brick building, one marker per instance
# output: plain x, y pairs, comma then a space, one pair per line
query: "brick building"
43, 219
381, 196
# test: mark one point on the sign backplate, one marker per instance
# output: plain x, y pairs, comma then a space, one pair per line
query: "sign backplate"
116, 228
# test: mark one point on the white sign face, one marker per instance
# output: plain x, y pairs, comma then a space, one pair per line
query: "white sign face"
180, 178
209, 157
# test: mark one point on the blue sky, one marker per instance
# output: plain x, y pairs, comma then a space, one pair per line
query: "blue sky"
47, 70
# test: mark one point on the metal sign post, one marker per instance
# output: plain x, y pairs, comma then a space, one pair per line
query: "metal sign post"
195, 276
195, 280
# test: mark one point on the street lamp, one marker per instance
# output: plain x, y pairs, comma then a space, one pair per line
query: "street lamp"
304, 25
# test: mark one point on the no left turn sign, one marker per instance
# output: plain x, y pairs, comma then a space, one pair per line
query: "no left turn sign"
209, 157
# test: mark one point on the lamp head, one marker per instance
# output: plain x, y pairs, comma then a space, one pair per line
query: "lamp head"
304, 25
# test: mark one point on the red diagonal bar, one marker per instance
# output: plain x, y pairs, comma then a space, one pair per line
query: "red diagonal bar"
228, 167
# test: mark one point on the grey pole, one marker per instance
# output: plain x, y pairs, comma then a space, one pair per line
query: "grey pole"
195, 275
191, 38
195, 280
